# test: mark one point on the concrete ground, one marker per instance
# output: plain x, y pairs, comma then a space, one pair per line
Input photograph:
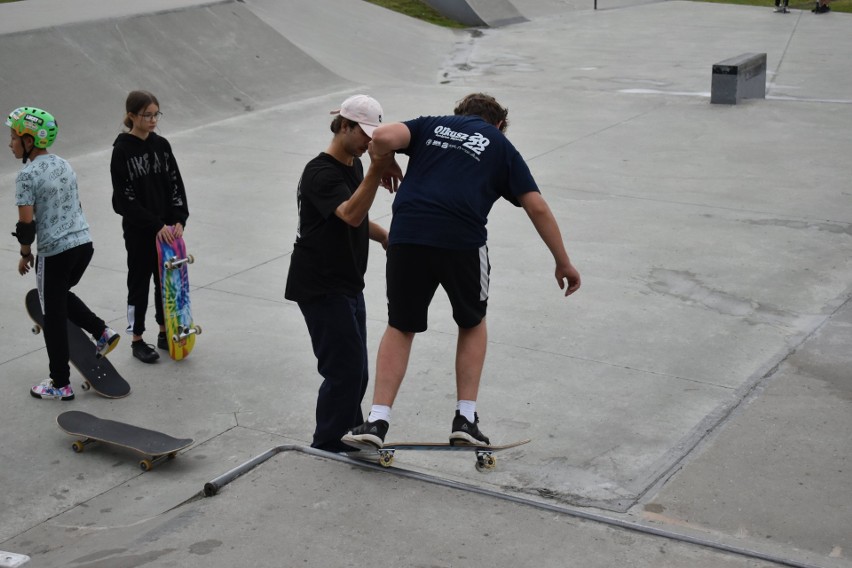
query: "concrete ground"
689, 406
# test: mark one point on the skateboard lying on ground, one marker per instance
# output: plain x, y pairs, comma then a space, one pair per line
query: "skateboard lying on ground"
156, 446
174, 280
485, 459
98, 374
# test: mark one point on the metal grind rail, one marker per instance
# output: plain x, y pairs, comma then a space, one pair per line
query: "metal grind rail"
213, 487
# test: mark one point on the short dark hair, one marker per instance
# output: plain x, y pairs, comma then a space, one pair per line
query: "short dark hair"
339, 122
136, 102
484, 106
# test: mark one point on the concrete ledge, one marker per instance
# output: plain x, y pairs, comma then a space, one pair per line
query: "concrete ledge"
741, 77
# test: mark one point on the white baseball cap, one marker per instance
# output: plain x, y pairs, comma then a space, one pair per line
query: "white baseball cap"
364, 110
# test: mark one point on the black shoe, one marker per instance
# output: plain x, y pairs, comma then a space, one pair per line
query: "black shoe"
467, 433
144, 352
162, 341
371, 433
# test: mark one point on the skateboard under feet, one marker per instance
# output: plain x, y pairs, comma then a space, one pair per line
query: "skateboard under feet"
485, 460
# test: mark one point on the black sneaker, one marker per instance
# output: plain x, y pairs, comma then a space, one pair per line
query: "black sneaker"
162, 341
467, 433
144, 352
371, 433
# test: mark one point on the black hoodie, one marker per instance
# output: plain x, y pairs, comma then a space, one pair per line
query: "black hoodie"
147, 190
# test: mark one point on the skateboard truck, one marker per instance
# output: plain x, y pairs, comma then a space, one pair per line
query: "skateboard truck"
184, 332
175, 262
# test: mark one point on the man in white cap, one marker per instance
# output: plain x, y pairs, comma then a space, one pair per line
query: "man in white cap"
329, 260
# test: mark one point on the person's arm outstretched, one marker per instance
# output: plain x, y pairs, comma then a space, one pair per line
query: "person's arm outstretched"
548, 229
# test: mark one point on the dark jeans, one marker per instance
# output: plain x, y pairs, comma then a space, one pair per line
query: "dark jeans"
338, 327
56, 275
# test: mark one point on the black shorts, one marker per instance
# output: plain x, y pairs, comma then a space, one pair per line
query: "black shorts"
414, 272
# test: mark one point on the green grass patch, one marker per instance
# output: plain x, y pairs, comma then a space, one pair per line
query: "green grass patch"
419, 10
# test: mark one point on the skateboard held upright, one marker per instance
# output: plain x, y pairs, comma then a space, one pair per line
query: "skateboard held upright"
98, 373
156, 446
174, 280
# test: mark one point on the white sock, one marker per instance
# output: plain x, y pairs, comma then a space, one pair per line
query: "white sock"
467, 408
379, 412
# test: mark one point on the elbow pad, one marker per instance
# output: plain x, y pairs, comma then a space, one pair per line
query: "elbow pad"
25, 232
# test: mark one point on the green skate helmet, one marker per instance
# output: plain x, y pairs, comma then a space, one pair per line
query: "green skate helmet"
37, 123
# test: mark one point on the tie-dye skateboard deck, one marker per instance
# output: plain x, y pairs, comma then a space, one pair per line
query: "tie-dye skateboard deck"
174, 279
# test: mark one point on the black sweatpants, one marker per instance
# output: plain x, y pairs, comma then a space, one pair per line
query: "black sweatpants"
55, 276
338, 327
142, 265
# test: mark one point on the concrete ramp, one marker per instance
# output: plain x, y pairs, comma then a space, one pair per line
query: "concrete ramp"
360, 41
491, 13
229, 62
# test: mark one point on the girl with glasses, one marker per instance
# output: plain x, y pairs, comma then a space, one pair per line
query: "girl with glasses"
149, 194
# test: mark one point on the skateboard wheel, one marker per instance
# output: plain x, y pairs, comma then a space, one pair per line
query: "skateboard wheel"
36, 329
385, 459
485, 463
78, 447
172, 455
190, 259
86, 385
198, 329
146, 465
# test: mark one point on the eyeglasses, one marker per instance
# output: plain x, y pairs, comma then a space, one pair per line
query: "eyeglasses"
148, 116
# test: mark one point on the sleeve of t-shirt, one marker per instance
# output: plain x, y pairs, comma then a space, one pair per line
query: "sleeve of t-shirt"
24, 194
326, 190
414, 127
519, 181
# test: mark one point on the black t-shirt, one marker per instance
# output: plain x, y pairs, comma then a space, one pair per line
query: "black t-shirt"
329, 256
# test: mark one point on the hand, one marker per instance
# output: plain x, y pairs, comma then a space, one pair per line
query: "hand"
385, 164
392, 177
567, 272
166, 234
178, 231
25, 264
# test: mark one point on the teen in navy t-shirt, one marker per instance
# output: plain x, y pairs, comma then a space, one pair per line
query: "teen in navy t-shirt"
458, 167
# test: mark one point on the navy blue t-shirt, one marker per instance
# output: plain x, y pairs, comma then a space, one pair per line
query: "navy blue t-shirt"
458, 167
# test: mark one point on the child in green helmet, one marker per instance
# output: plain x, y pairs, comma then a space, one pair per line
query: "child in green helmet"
49, 213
